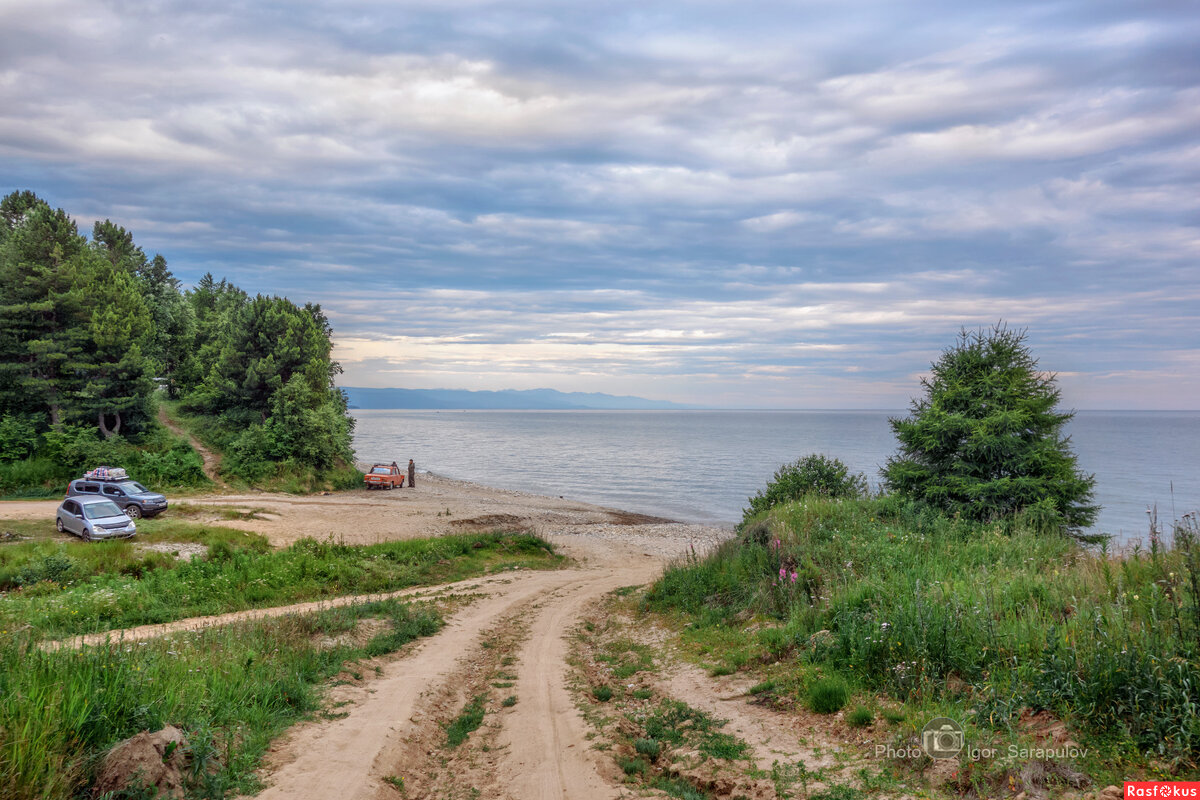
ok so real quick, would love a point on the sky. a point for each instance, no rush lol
(787, 205)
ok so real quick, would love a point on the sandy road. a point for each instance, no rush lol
(544, 750)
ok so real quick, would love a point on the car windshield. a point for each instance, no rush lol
(382, 470)
(133, 487)
(101, 510)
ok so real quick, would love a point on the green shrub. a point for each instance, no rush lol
(986, 440)
(828, 695)
(648, 748)
(602, 693)
(18, 437)
(814, 474)
(860, 717)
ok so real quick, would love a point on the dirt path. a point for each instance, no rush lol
(544, 751)
(212, 461)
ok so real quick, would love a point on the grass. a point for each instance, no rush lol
(828, 695)
(977, 622)
(860, 717)
(230, 689)
(468, 720)
(84, 588)
(602, 693)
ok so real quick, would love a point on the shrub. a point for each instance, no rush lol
(649, 748)
(860, 717)
(602, 693)
(828, 695)
(986, 439)
(814, 474)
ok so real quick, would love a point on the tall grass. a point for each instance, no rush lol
(231, 690)
(232, 578)
(905, 599)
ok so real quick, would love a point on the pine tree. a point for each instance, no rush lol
(986, 440)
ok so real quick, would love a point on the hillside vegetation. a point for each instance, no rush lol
(93, 332)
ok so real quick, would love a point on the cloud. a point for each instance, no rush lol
(785, 203)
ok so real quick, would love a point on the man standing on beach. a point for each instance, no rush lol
(412, 473)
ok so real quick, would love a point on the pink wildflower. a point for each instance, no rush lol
(794, 576)
(782, 573)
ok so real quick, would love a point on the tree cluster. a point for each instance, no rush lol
(91, 328)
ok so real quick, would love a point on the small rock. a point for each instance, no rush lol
(157, 760)
(1112, 793)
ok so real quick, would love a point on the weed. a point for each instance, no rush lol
(828, 695)
(396, 781)
(649, 748)
(860, 717)
(467, 721)
(509, 701)
(602, 693)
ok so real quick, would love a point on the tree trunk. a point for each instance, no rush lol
(116, 428)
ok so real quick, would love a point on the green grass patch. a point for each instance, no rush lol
(468, 720)
(89, 587)
(230, 689)
(602, 693)
(828, 695)
(860, 717)
(509, 701)
(978, 620)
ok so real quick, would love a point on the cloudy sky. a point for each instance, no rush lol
(767, 204)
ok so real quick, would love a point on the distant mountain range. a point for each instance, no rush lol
(512, 399)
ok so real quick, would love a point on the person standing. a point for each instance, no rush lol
(412, 473)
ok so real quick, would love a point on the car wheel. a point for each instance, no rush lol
(85, 534)
(134, 511)
(58, 524)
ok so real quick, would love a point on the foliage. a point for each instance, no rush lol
(814, 474)
(468, 721)
(986, 439)
(116, 586)
(913, 602)
(232, 689)
(90, 328)
(828, 695)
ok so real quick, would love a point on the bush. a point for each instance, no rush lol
(18, 437)
(986, 440)
(649, 748)
(828, 695)
(860, 717)
(814, 474)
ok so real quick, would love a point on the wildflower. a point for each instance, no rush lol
(782, 573)
(885, 626)
(1135, 597)
(794, 576)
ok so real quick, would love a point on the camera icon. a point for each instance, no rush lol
(942, 738)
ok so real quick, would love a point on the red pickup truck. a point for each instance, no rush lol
(384, 476)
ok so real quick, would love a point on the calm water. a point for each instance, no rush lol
(702, 465)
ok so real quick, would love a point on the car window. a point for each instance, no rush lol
(114, 491)
(70, 508)
(100, 510)
(133, 487)
(89, 487)
(382, 470)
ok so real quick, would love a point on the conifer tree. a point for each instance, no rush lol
(986, 440)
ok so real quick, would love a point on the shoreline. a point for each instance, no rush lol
(436, 506)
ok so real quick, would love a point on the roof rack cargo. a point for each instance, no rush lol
(107, 474)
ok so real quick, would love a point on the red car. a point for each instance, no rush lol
(384, 476)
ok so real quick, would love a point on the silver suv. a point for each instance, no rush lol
(133, 498)
(93, 518)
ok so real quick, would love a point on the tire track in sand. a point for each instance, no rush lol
(546, 757)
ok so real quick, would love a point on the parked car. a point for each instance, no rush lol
(93, 518)
(129, 495)
(384, 475)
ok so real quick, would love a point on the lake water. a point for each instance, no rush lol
(702, 465)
